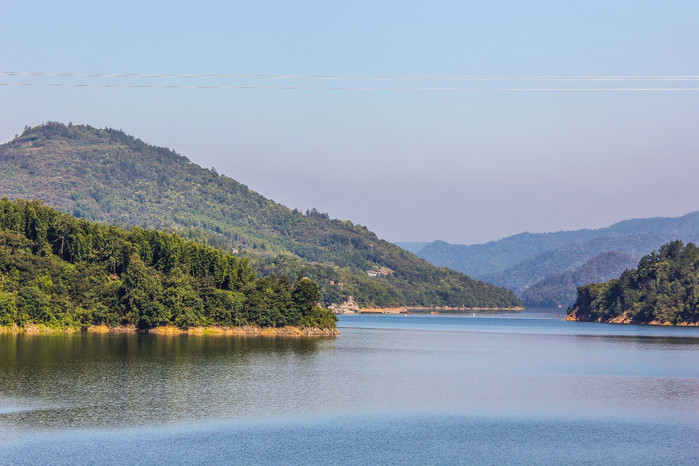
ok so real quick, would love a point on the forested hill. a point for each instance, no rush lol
(63, 272)
(108, 176)
(664, 289)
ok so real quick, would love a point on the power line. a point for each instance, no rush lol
(355, 88)
(41, 74)
(517, 83)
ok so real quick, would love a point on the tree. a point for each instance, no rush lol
(305, 295)
(141, 291)
(8, 309)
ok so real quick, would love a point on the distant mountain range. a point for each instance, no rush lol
(546, 268)
(561, 288)
(111, 177)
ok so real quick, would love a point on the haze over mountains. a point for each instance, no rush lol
(546, 268)
(108, 176)
(561, 288)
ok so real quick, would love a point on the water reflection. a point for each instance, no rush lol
(82, 380)
(518, 368)
(654, 342)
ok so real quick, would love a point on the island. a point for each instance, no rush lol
(662, 290)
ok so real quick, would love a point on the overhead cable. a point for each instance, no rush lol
(494, 78)
(355, 88)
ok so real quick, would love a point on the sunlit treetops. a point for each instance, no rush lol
(663, 289)
(59, 270)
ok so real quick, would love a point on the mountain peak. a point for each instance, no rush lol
(109, 176)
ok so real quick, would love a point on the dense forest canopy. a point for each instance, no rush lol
(108, 176)
(64, 272)
(663, 289)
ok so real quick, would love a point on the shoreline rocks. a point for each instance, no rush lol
(348, 307)
(624, 319)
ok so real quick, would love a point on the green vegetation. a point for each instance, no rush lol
(663, 289)
(561, 288)
(108, 176)
(65, 272)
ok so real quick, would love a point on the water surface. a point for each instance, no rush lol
(449, 388)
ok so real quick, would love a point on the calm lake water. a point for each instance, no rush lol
(524, 388)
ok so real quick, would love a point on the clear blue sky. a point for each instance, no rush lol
(464, 166)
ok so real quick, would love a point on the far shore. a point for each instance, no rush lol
(252, 330)
(405, 309)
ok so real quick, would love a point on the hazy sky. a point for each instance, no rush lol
(465, 166)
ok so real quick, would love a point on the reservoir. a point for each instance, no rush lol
(453, 388)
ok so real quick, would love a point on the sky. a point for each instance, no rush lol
(464, 121)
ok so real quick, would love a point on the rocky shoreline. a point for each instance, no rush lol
(252, 330)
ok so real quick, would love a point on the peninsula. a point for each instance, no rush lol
(662, 290)
(58, 272)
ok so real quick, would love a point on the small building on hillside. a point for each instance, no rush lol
(380, 272)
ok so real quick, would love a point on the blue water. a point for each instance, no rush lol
(530, 322)
(512, 388)
(385, 439)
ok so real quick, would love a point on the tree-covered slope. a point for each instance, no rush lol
(561, 289)
(65, 272)
(108, 176)
(664, 289)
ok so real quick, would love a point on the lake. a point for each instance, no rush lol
(454, 388)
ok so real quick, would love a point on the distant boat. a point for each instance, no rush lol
(434, 312)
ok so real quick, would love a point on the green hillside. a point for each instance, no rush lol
(64, 272)
(664, 289)
(108, 176)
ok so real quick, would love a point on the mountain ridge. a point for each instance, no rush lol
(541, 242)
(519, 261)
